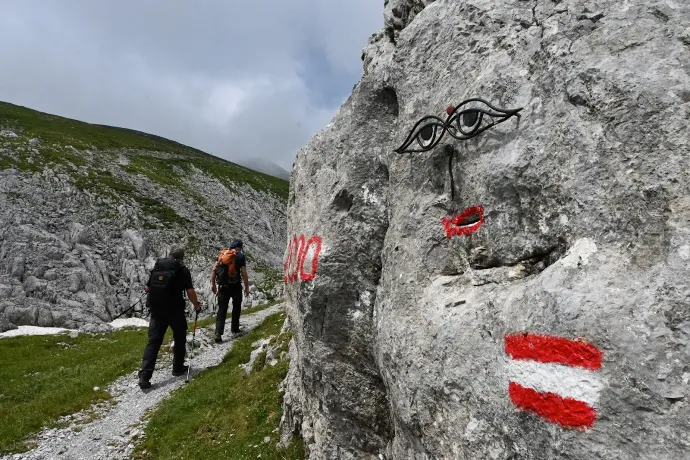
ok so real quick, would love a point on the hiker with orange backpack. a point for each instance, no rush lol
(225, 282)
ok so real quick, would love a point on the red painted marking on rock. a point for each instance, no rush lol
(456, 226)
(551, 372)
(297, 251)
(314, 261)
(450, 109)
(566, 412)
(551, 349)
(301, 254)
(292, 262)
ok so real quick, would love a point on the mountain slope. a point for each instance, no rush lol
(85, 210)
(266, 167)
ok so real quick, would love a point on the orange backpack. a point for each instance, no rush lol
(226, 272)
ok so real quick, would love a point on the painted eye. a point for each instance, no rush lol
(426, 135)
(465, 121)
(471, 117)
(427, 132)
(474, 116)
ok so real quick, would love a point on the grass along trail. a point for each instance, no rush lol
(109, 430)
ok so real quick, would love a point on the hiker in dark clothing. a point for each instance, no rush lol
(229, 286)
(167, 283)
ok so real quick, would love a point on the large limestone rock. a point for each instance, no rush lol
(558, 328)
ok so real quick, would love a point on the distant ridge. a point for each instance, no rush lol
(264, 166)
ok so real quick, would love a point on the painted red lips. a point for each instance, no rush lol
(465, 223)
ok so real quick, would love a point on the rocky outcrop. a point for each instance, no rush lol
(331, 315)
(269, 351)
(6, 325)
(77, 243)
(550, 319)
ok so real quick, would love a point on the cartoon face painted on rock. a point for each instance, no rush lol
(468, 120)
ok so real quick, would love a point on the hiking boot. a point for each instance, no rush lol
(219, 340)
(143, 382)
(180, 371)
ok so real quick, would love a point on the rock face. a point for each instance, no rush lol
(554, 321)
(79, 234)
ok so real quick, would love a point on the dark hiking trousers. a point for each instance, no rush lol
(233, 291)
(158, 325)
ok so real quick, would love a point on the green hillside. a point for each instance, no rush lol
(71, 145)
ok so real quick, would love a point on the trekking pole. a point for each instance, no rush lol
(133, 305)
(189, 368)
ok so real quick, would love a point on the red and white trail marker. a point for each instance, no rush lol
(555, 378)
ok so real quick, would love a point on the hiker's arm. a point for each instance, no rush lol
(191, 293)
(246, 280)
(213, 278)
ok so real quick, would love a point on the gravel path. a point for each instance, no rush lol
(110, 430)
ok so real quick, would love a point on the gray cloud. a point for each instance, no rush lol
(235, 79)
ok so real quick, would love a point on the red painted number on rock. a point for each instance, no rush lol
(298, 250)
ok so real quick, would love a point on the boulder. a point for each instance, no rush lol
(138, 243)
(51, 274)
(5, 325)
(519, 294)
(79, 234)
(45, 318)
(74, 282)
(60, 318)
(18, 268)
(89, 328)
(22, 316)
(5, 291)
(34, 285)
(18, 291)
(55, 253)
(39, 271)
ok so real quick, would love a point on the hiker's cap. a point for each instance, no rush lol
(236, 244)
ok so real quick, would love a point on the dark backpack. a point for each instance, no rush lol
(164, 291)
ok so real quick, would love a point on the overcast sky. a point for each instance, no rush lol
(233, 78)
